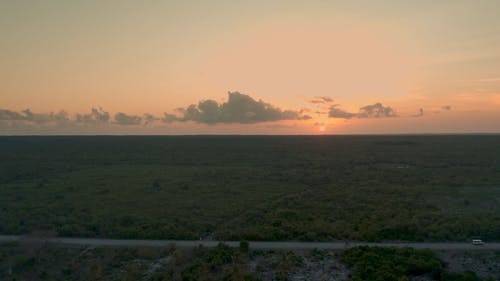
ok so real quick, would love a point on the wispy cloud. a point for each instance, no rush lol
(321, 100)
(376, 110)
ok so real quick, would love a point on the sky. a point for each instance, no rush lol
(249, 67)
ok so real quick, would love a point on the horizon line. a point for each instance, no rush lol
(251, 135)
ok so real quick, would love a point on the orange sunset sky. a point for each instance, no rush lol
(249, 67)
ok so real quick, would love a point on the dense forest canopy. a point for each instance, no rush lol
(315, 188)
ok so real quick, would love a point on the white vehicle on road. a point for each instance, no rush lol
(477, 242)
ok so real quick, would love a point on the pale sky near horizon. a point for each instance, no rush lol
(434, 66)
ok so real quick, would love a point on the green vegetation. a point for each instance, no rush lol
(393, 264)
(220, 263)
(19, 262)
(318, 188)
(38, 261)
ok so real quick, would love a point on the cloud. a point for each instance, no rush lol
(376, 110)
(336, 112)
(149, 118)
(43, 118)
(446, 107)
(28, 116)
(8, 115)
(239, 108)
(125, 119)
(169, 118)
(61, 117)
(326, 99)
(319, 113)
(321, 100)
(95, 117)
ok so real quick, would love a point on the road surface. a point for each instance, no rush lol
(63, 241)
(271, 245)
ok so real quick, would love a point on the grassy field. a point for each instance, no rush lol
(319, 188)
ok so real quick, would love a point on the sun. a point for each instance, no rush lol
(322, 128)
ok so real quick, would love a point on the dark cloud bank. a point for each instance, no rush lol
(125, 119)
(239, 108)
(96, 116)
(37, 118)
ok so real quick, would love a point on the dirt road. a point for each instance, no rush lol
(292, 245)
